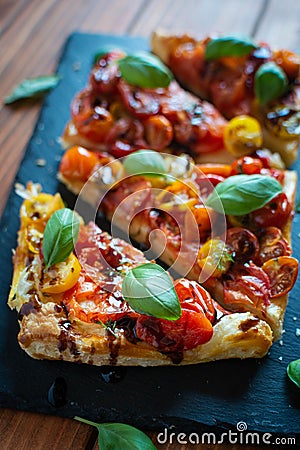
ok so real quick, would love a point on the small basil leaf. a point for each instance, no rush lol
(297, 208)
(60, 236)
(145, 161)
(116, 436)
(149, 290)
(144, 70)
(242, 194)
(32, 87)
(237, 45)
(293, 371)
(270, 82)
(103, 51)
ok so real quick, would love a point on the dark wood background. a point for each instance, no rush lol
(32, 35)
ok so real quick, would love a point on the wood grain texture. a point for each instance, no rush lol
(32, 35)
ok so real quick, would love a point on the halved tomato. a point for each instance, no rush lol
(282, 272)
(243, 243)
(61, 276)
(272, 245)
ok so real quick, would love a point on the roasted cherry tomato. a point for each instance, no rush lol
(243, 135)
(215, 257)
(61, 276)
(192, 329)
(125, 136)
(274, 213)
(158, 132)
(282, 272)
(78, 163)
(243, 243)
(246, 288)
(92, 120)
(141, 103)
(105, 74)
(37, 209)
(223, 170)
(272, 244)
(288, 61)
(246, 165)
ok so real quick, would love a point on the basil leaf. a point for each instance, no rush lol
(116, 436)
(297, 208)
(145, 161)
(237, 45)
(270, 82)
(103, 51)
(60, 236)
(32, 87)
(144, 70)
(149, 290)
(293, 371)
(242, 194)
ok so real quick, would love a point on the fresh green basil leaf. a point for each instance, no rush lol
(116, 436)
(270, 82)
(32, 87)
(104, 51)
(149, 290)
(293, 371)
(235, 45)
(144, 70)
(242, 194)
(297, 208)
(60, 236)
(145, 161)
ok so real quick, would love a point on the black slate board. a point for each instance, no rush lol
(194, 398)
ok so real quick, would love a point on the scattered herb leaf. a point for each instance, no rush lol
(145, 161)
(293, 371)
(116, 436)
(32, 87)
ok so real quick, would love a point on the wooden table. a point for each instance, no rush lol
(32, 34)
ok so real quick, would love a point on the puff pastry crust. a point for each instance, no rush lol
(49, 330)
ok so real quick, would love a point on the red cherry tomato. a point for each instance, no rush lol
(192, 329)
(105, 74)
(272, 245)
(78, 163)
(246, 288)
(246, 165)
(91, 118)
(274, 213)
(244, 244)
(141, 103)
(282, 272)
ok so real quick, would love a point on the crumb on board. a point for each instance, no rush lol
(40, 162)
(297, 332)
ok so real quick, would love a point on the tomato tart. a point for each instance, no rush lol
(72, 305)
(240, 249)
(240, 77)
(119, 116)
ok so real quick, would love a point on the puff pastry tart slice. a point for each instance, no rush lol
(240, 77)
(72, 305)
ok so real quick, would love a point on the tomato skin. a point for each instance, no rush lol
(274, 213)
(158, 131)
(243, 243)
(105, 73)
(78, 163)
(282, 272)
(243, 135)
(246, 288)
(272, 244)
(192, 329)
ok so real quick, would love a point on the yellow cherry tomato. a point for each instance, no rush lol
(215, 257)
(40, 207)
(243, 135)
(61, 276)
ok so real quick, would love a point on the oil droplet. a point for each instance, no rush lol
(112, 374)
(57, 394)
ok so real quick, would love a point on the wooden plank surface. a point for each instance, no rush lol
(32, 34)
